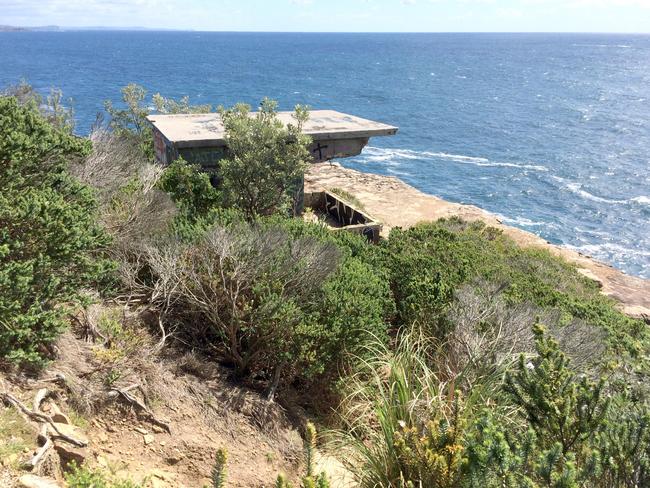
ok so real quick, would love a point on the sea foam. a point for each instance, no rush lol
(389, 155)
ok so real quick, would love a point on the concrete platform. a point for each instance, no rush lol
(206, 130)
(200, 138)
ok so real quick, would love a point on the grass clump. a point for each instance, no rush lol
(86, 477)
(347, 196)
(407, 422)
(16, 437)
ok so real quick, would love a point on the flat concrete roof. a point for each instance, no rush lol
(206, 130)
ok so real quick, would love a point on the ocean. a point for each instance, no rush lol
(550, 131)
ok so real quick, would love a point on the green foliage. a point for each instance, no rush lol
(219, 474)
(246, 291)
(401, 423)
(434, 454)
(130, 121)
(572, 434)
(86, 477)
(51, 107)
(310, 449)
(266, 161)
(278, 299)
(430, 261)
(354, 309)
(169, 106)
(190, 189)
(49, 238)
(558, 406)
(347, 196)
(545, 425)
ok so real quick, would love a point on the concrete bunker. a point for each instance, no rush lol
(200, 139)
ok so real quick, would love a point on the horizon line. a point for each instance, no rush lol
(165, 29)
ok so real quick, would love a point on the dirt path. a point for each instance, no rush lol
(394, 203)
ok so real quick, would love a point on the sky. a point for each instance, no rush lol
(338, 15)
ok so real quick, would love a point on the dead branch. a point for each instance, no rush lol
(124, 393)
(39, 398)
(46, 444)
(9, 399)
(57, 378)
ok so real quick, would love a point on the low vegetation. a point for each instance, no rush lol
(50, 241)
(449, 355)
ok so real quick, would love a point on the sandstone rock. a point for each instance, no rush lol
(69, 453)
(175, 457)
(162, 479)
(142, 431)
(58, 416)
(148, 439)
(69, 430)
(33, 481)
(158, 430)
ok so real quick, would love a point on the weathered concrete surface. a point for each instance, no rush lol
(206, 130)
(394, 203)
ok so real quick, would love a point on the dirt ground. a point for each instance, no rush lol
(204, 409)
(396, 204)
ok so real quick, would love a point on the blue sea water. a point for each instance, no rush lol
(551, 131)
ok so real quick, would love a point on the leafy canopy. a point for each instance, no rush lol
(267, 159)
(49, 238)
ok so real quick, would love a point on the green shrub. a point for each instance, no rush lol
(50, 241)
(430, 261)
(85, 477)
(265, 166)
(354, 306)
(129, 121)
(402, 422)
(190, 188)
(245, 291)
(569, 433)
(50, 107)
(354, 309)
(219, 473)
(546, 425)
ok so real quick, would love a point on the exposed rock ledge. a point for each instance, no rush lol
(394, 203)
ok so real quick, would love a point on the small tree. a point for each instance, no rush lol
(267, 159)
(49, 236)
(130, 122)
(559, 407)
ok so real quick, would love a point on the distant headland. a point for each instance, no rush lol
(57, 28)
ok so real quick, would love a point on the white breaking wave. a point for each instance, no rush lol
(523, 221)
(643, 200)
(609, 249)
(575, 187)
(378, 154)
